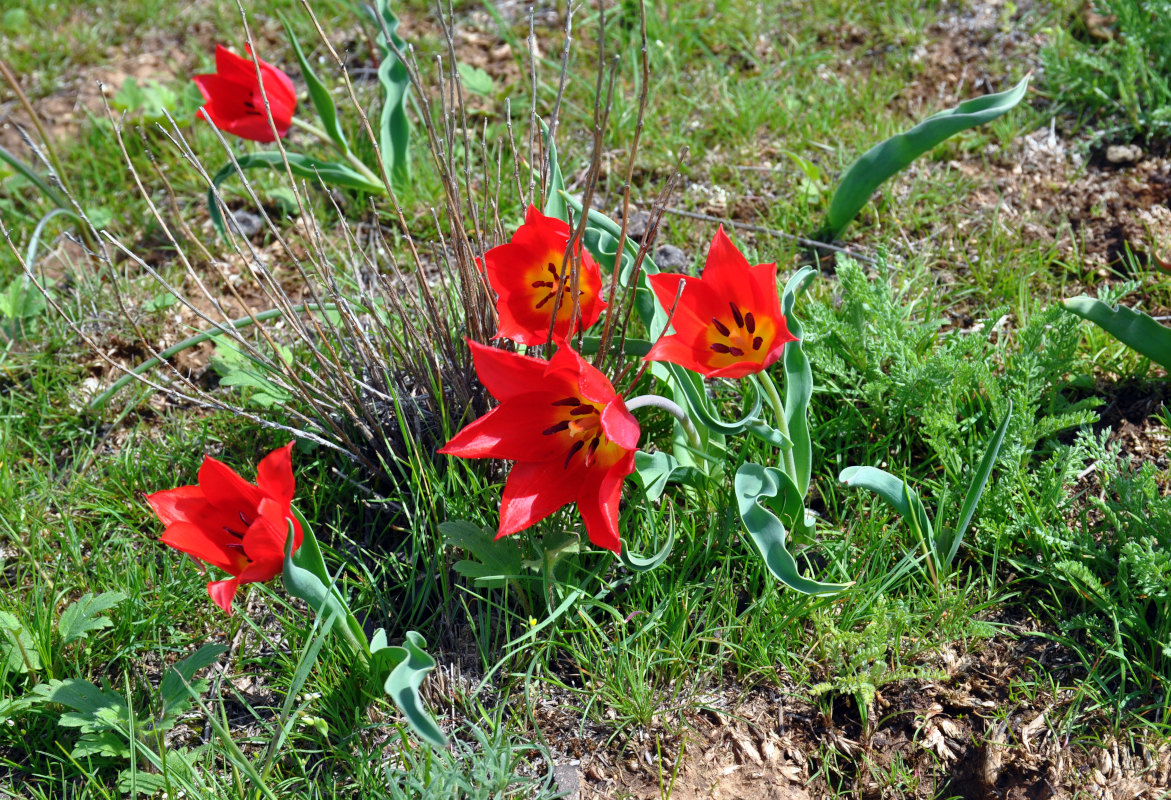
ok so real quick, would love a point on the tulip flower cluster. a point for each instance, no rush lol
(569, 433)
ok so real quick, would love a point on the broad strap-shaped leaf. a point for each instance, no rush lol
(81, 616)
(405, 668)
(763, 493)
(318, 93)
(1136, 330)
(333, 173)
(699, 407)
(798, 382)
(947, 545)
(554, 202)
(394, 129)
(305, 576)
(893, 155)
(896, 492)
(637, 564)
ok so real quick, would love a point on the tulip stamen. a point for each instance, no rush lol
(578, 445)
(556, 428)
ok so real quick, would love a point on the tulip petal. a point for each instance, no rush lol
(505, 374)
(533, 491)
(619, 425)
(264, 542)
(234, 68)
(725, 266)
(227, 491)
(513, 430)
(598, 502)
(220, 549)
(274, 475)
(177, 505)
(223, 592)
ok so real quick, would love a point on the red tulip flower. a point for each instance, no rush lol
(567, 430)
(233, 102)
(527, 276)
(728, 324)
(232, 524)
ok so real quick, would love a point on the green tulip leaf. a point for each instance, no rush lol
(1136, 330)
(554, 201)
(761, 494)
(896, 492)
(305, 576)
(636, 563)
(699, 407)
(405, 668)
(893, 155)
(322, 101)
(798, 382)
(394, 129)
(333, 173)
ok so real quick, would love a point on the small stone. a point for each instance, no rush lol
(671, 258)
(245, 223)
(1123, 153)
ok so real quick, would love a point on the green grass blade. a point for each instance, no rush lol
(326, 109)
(1134, 329)
(893, 155)
(34, 178)
(979, 481)
(759, 491)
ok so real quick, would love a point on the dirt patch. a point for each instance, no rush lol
(969, 52)
(975, 735)
(1096, 208)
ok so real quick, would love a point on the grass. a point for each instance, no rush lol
(632, 658)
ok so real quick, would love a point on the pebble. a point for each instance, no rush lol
(1123, 153)
(245, 223)
(671, 258)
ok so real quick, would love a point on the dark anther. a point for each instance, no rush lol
(231, 532)
(757, 342)
(583, 409)
(721, 348)
(579, 444)
(736, 351)
(749, 322)
(593, 449)
(539, 284)
(569, 401)
(557, 428)
(544, 300)
(721, 327)
(737, 315)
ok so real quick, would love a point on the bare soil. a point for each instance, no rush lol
(975, 735)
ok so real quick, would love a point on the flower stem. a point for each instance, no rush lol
(356, 162)
(774, 399)
(663, 404)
